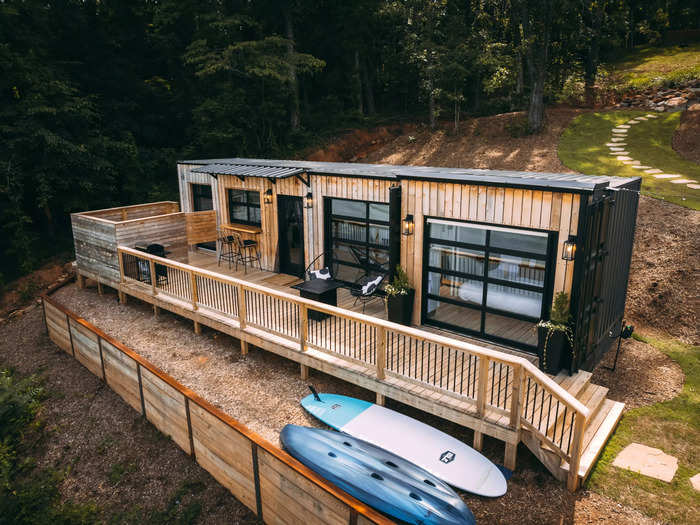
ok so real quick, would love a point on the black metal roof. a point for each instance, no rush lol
(523, 179)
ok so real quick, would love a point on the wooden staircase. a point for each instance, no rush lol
(600, 424)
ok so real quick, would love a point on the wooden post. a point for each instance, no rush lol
(515, 401)
(156, 310)
(381, 352)
(304, 372)
(380, 399)
(154, 277)
(303, 326)
(244, 347)
(122, 295)
(195, 295)
(575, 452)
(511, 455)
(81, 280)
(241, 307)
(100, 290)
(197, 328)
(481, 398)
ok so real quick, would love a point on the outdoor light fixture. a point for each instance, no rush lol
(569, 251)
(309, 200)
(268, 196)
(407, 225)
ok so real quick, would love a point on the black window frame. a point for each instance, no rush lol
(546, 289)
(332, 262)
(196, 190)
(247, 205)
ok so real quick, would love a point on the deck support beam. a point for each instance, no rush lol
(478, 440)
(304, 372)
(197, 328)
(244, 347)
(80, 279)
(381, 399)
(511, 455)
(122, 297)
(100, 289)
(156, 310)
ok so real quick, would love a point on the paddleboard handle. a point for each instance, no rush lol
(316, 396)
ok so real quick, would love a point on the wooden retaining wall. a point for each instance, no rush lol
(263, 477)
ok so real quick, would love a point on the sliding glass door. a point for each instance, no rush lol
(357, 238)
(486, 280)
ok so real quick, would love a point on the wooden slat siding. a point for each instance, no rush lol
(224, 453)
(545, 217)
(565, 220)
(527, 208)
(536, 213)
(290, 498)
(57, 325)
(165, 408)
(86, 347)
(200, 227)
(490, 204)
(95, 247)
(134, 211)
(508, 206)
(169, 230)
(121, 375)
(473, 203)
(573, 229)
(330, 497)
(499, 205)
(555, 215)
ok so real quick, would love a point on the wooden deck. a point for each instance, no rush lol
(562, 419)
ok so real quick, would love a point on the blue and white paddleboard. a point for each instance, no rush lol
(440, 454)
(376, 477)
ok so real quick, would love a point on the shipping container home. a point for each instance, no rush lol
(485, 250)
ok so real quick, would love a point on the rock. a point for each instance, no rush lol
(676, 102)
(648, 461)
(695, 482)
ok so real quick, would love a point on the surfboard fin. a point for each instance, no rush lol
(316, 396)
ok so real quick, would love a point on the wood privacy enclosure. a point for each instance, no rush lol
(264, 478)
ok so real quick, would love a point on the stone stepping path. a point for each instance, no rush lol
(695, 482)
(617, 145)
(648, 461)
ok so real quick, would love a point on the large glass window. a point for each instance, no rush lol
(244, 207)
(486, 280)
(202, 201)
(358, 240)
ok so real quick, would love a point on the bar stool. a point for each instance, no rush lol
(247, 251)
(227, 250)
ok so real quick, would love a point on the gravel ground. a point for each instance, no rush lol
(263, 391)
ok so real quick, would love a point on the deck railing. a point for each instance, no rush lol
(502, 388)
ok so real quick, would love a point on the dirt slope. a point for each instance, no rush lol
(485, 142)
(686, 139)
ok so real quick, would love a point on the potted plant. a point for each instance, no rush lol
(400, 298)
(555, 337)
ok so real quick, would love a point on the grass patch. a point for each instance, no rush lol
(648, 66)
(672, 426)
(582, 148)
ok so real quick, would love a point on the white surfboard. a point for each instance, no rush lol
(440, 454)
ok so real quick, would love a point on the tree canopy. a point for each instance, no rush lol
(99, 98)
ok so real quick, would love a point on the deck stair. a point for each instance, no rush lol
(601, 423)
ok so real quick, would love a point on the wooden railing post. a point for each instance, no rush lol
(575, 452)
(481, 398)
(515, 401)
(381, 351)
(195, 295)
(154, 277)
(122, 279)
(241, 307)
(303, 326)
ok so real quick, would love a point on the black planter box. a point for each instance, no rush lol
(558, 350)
(400, 308)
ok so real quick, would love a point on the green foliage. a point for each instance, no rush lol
(400, 284)
(560, 309)
(672, 426)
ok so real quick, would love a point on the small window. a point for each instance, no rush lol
(244, 207)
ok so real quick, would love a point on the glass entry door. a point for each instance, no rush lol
(291, 235)
(486, 280)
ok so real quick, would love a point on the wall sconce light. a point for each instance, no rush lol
(408, 225)
(568, 253)
(268, 196)
(309, 200)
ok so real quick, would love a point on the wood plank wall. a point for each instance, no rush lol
(169, 230)
(136, 211)
(95, 243)
(261, 476)
(201, 226)
(545, 210)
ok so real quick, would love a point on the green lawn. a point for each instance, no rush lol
(672, 426)
(582, 148)
(648, 66)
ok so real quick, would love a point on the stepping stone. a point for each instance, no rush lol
(622, 126)
(649, 115)
(619, 130)
(641, 167)
(619, 153)
(618, 139)
(615, 144)
(665, 176)
(695, 482)
(683, 181)
(648, 461)
(632, 122)
(630, 162)
(639, 119)
(624, 157)
(653, 170)
(694, 187)
(614, 148)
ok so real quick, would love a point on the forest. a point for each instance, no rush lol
(98, 99)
